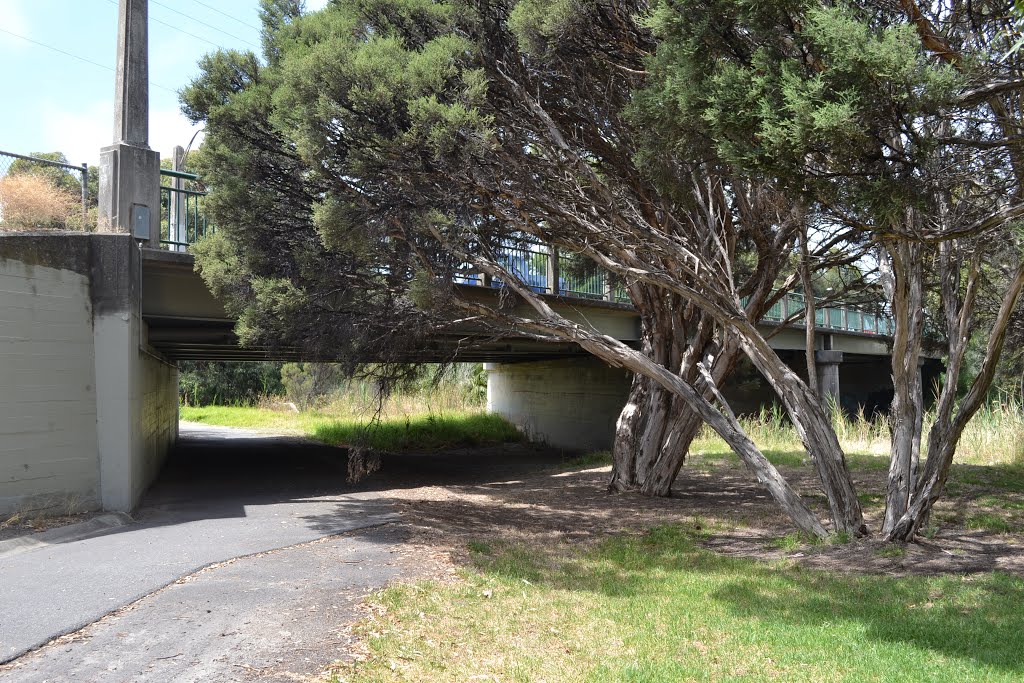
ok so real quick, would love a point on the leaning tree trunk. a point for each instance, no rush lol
(616, 354)
(721, 420)
(816, 432)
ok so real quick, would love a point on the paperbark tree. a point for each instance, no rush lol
(901, 121)
(404, 142)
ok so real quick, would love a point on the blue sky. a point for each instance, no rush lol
(54, 102)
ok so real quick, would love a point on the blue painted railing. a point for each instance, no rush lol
(540, 266)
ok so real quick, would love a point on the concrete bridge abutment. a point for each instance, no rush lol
(570, 403)
(574, 403)
(89, 410)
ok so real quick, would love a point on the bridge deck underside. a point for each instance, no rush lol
(185, 322)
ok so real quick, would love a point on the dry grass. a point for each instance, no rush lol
(360, 401)
(995, 436)
(30, 202)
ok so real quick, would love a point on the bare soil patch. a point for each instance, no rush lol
(553, 507)
(20, 524)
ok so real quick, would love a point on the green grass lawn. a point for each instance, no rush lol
(659, 608)
(413, 432)
(249, 418)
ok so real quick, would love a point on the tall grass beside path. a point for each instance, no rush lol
(423, 431)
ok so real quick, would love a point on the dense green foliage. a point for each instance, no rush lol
(423, 430)
(203, 383)
(380, 149)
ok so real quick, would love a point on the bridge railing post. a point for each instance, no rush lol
(553, 274)
(177, 211)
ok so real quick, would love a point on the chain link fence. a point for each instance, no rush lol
(45, 193)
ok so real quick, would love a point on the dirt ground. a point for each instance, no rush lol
(534, 496)
(32, 522)
(572, 506)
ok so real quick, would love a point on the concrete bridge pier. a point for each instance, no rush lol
(826, 364)
(570, 403)
(89, 408)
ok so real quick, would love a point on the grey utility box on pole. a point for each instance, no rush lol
(129, 198)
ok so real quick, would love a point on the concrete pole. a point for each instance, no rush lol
(129, 198)
(552, 275)
(131, 103)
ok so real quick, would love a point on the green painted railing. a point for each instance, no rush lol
(182, 211)
(842, 318)
(540, 266)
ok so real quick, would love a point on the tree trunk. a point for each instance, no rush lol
(628, 430)
(722, 421)
(907, 411)
(684, 430)
(616, 354)
(655, 428)
(816, 432)
(947, 429)
(809, 315)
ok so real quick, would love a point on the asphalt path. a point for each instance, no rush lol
(279, 616)
(224, 494)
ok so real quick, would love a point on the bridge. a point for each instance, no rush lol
(92, 326)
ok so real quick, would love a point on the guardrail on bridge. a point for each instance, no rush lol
(543, 268)
(182, 215)
(43, 194)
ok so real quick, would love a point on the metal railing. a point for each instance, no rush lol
(541, 266)
(182, 211)
(841, 318)
(42, 194)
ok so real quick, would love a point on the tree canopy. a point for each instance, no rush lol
(379, 150)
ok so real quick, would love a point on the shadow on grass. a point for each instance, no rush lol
(978, 618)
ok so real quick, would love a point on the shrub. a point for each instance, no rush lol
(306, 384)
(204, 383)
(32, 202)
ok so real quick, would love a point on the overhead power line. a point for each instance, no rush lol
(229, 16)
(199, 21)
(189, 33)
(78, 57)
(175, 28)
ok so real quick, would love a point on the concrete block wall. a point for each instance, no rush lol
(158, 420)
(87, 411)
(572, 403)
(48, 456)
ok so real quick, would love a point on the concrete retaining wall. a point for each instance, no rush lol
(48, 454)
(87, 410)
(159, 419)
